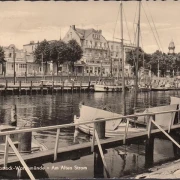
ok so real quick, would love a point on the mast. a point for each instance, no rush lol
(122, 58)
(137, 57)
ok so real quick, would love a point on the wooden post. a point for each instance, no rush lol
(41, 87)
(93, 139)
(56, 144)
(100, 128)
(98, 166)
(72, 88)
(6, 87)
(149, 127)
(52, 86)
(20, 87)
(80, 86)
(171, 122)
(6, 151)
(62, 89)
(13, 121)
(31, 88)
(149, 152)
(101, 153)
(126, 130)
(176, 149)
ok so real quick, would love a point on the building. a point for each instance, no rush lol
(115, 55)
(171, 48)
(95, 60)
(23, 61)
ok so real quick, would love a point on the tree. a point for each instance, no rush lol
(1, 54)
(58, 52)
(42, 53)
(143, 60)
(74, 52)
(2, 61)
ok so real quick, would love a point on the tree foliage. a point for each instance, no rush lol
(74, 52)
(143, 59)
(58, 52)
(166, 62)
(42, 53)
(1, 54)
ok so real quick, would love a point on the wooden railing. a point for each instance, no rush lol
(129, 118)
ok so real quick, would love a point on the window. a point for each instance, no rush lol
(104, 44)
(91, 69)
(112, 47)
(10, 54)
(100, 44)
(22, 66)
(86, 42)
(95, 44)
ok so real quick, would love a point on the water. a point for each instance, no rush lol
(56, 109)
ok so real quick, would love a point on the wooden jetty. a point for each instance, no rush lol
(98, 143)
(42, 87)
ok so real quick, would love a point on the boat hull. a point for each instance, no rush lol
(105, 88)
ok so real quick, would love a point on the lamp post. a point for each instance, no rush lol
(14, 62)
(101, 68)
(42, 67)
(25, 53)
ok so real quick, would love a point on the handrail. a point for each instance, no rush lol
(83, 123)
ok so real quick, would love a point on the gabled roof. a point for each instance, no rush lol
(84, 33)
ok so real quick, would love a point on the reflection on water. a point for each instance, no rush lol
(60, 109)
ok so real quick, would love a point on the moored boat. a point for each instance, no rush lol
(117, 127)
(107, 85)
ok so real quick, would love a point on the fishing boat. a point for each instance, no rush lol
(113, 128)
(108, 85)
(117, 127)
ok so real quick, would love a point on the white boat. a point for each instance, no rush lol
(117, 127)
(107, 85)
(113, 127)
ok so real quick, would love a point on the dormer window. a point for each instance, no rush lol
(10, 55)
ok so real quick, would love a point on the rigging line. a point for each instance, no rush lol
(116, 23)
(135, 34)
(151, 28)
(135, 19)
(155, 27)
(127, 25)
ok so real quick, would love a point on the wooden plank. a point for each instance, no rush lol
(164, 132)
(171, 122)
(6, 151)
(93, 140)
(56, 144)
(149, 127)
(66, 153)
(102, 155)
(126, 130)
(20, 159)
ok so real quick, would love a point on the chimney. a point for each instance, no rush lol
(31, 42)
(73, 27)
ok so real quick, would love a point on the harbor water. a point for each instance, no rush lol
(47, 110)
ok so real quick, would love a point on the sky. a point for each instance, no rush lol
(22, 22)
